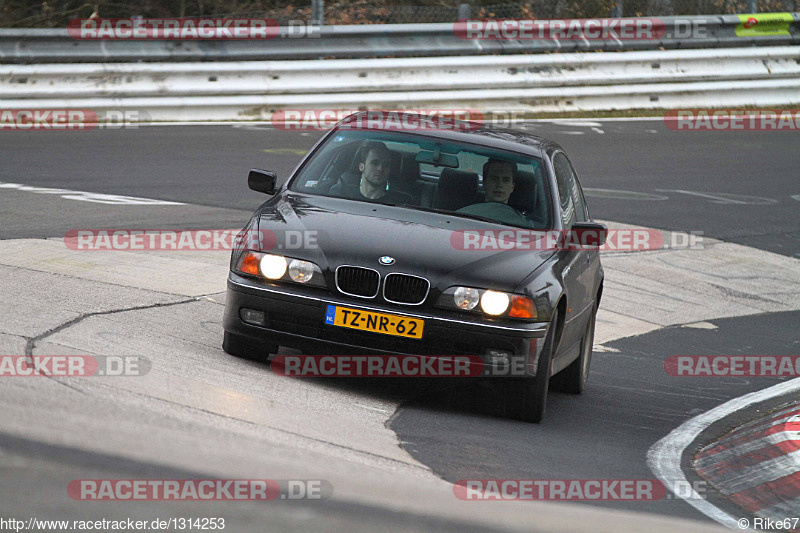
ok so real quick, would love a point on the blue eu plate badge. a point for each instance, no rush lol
(330, 313)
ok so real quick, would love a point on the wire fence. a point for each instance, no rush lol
(26, 14)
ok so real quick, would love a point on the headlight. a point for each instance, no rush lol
(272, 266)
(279, 268)
(494, 303)
(466, 297)
(301, 271)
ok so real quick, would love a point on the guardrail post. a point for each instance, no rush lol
(752, 6)
(317, 12)
(463, 11)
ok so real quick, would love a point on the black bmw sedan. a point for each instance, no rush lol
(402, 235)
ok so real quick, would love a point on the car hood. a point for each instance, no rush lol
(359, 233)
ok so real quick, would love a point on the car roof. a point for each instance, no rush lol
(465, 131)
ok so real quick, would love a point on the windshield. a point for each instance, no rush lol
(429, 174)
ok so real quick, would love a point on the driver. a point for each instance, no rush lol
(373, 158)
(498, 180)
(498, 184)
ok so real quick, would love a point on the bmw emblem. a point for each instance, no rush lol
(386, 260)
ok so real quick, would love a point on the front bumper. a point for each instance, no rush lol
(295, 317)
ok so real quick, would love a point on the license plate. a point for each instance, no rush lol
(399, 326)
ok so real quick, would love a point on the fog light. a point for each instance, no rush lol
(251, 316)
(498, 357)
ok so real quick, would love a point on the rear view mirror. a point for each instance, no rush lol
(437, 159)
(262, 181)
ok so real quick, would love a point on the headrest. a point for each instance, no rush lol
(523, 198)
(456, 189)
(404, 171)
(350, 179)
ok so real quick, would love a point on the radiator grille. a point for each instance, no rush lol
(404, 289)
(357, 281)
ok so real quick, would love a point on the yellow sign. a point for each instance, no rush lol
(764, 24)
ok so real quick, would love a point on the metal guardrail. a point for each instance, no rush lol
(349, 42)
(357, 76)
(763, 76)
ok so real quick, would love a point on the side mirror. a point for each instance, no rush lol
(589, 234)
(262, 181)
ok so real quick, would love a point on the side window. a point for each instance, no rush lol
(570, 198)
(577, 195)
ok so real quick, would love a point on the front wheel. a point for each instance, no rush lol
(573, 378)
(527, 397)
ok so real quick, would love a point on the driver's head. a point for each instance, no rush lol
(498, 180)
(374, 166)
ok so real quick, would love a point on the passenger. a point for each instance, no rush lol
(498, 184)
(370, 184)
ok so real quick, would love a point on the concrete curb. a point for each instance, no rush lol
(757, 465)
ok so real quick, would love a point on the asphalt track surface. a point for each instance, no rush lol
(604, 433)
(738, 187)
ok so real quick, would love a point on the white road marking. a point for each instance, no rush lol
(372, 408)
(83, 196)
(724, 198)
(664, 457)
(576, 122)
(622, 195)
(699, 325)
(796, 197)
(601, 348)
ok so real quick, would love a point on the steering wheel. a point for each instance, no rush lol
(514, 209)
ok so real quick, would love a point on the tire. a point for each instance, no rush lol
(243, 347)
(573, 378)
(527, 397)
